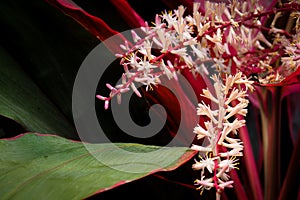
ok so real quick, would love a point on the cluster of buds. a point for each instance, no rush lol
(222, 147)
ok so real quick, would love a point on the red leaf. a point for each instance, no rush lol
(93, 24)
(290, 188)
(198, 83)
(290, 89)
(293, 110)
(128, 13)
(180, 107)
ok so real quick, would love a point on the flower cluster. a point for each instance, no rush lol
(222, 148)
(227, 37)
(232, 41)
(291, 61)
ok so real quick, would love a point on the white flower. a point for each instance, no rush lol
(146, 49)
(201, 132)
(238, 145)
(229, 164)
(207, 94)
(217, 38)
(135, 36)
(167, 70)
(200, 52)
(204, 183)
(164, 39)
(207, 163)
(237, 109)
(181, 52)
(201, 148)
(234, 95)
(226, 184)
(206, 111)
(233, 152)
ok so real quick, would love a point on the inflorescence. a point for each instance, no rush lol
(231, 40)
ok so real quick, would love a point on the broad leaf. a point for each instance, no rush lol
(47, 45)
(22, 101)
(48, 167)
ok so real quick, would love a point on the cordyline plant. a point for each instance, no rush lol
(242, 46)
(234, 54)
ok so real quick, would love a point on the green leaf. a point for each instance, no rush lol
(48, 167)
(47, 45)
(22, 101)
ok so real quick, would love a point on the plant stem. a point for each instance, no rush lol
(270, 119)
